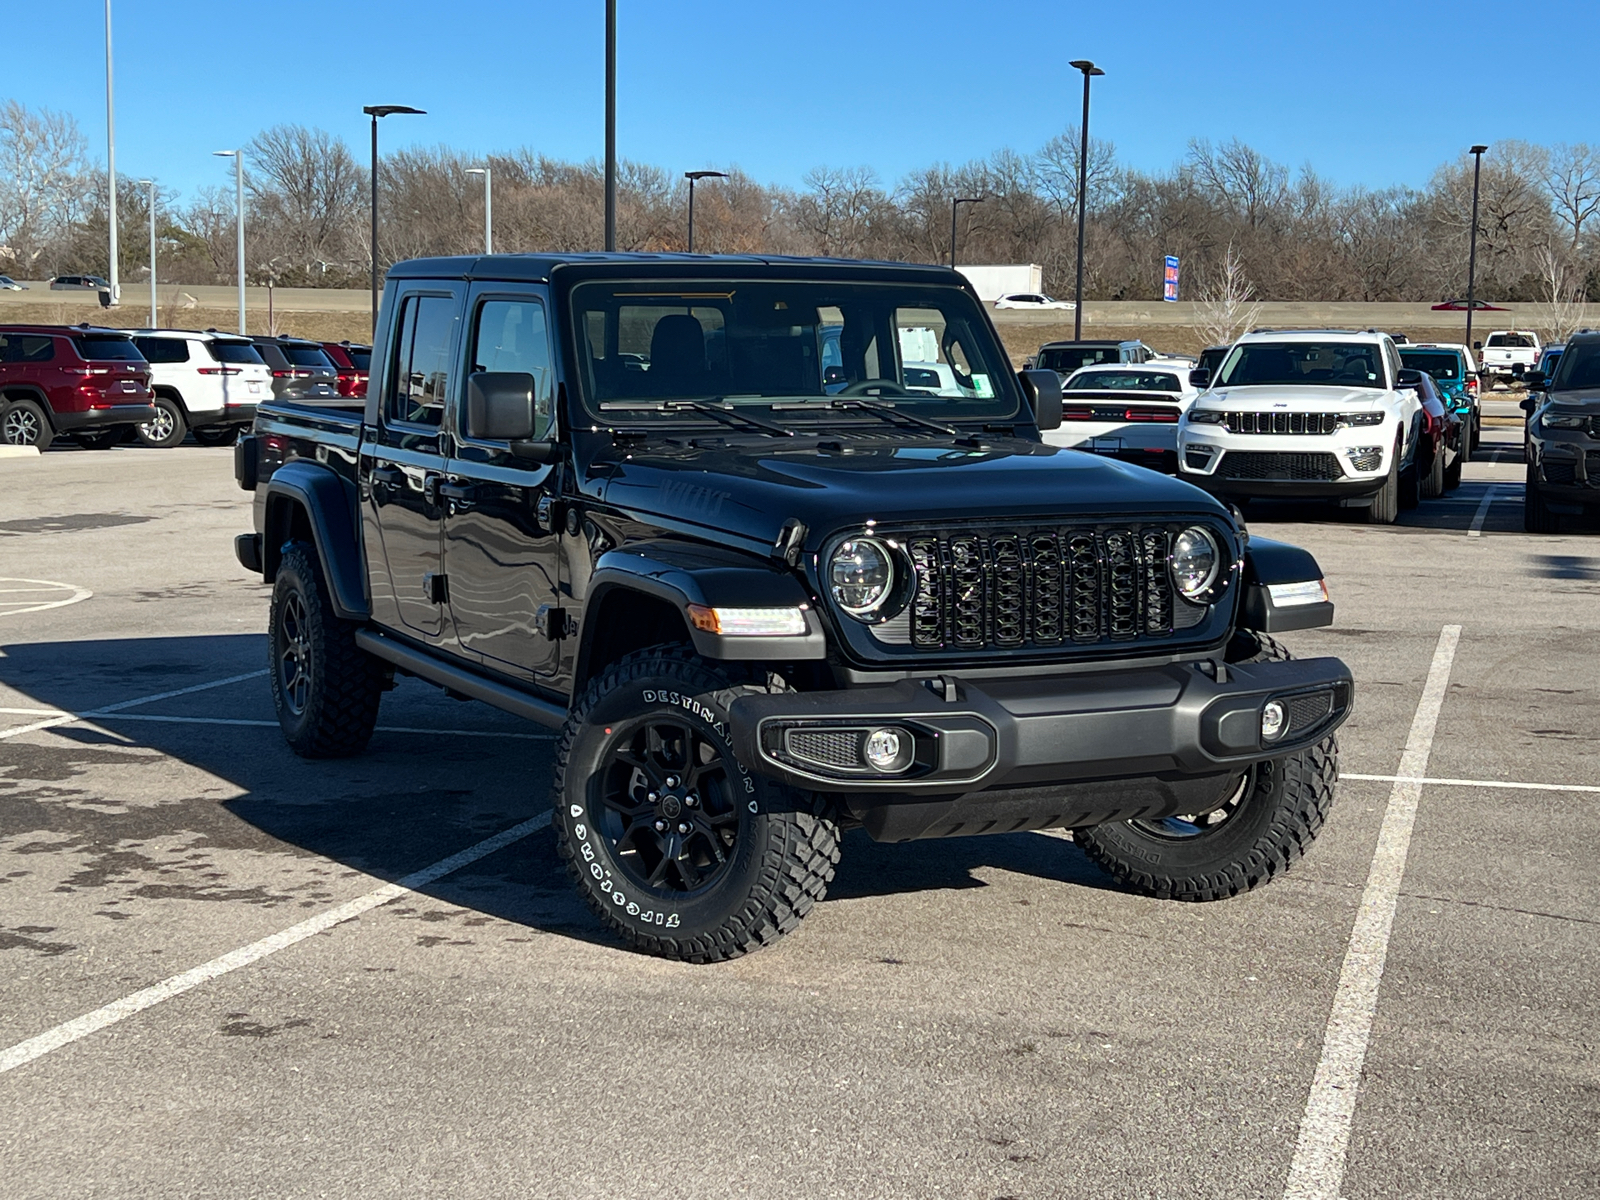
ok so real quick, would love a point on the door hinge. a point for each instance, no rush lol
(437, 588)
(554, 623)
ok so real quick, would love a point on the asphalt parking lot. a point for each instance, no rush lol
(1412, 1011)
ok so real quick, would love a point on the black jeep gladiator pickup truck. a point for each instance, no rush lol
(776, 545)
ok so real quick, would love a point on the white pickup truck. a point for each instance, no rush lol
(1506, 350)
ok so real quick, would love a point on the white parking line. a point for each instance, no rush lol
(1477, 783)
(120, 1010)
(1317, 1170)
(1489, 497)
(44, 585)
(68, 718)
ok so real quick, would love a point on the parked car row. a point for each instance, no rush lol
(98, 387)
(1562, 441)
(1335, 415)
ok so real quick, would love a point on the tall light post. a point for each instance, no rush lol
(691, 176)
(1472, 254)
(151, 183)
(111, 167)
(238, 179)
(375, 111)
(1089, 72)
(611, 125)
(959, 200)
(488, 208)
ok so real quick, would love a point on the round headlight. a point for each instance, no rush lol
(861, 574)
(1196, 562)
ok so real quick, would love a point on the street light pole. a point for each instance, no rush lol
(953, 209)
(611, 125)
(488, 208)
(375, 111)
(1089, 71)
(152, 185)
(691, 176)
(238, 179)
(1472, 254)
(111, 167)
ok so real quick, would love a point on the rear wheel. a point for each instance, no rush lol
(23, 423)
(167, 427)
(1536, 514)
(1267, 824)
(1433, 482)
(1477, 429)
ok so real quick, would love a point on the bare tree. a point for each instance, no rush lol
(1563, 303)
(1572, 178)
(1227, 304)
(306, 192)
(43, 178)
(840, 210)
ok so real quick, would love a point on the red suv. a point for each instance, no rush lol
(353, 361)
(84, 383)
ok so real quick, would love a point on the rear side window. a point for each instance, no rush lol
(108, 349)
(272, 356)
(1131, 381)
(419, 379)
(1441, 364)
(163, 350)
(308, 356)
(235, 352)
(27, 348)
(360, 357)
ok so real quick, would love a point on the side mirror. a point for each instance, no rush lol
(1043, 389)
(1477, 345)
(1528, 405)
(1518, 370)
(500, 406)
(1200, 378)
(1534, 379)
(1407, 377)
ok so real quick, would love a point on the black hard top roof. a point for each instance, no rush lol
(538, 267)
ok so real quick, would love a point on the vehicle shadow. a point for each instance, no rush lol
(438, 777)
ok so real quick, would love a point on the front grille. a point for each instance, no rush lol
(1306, 711)
(1594, 427)
(1009, 589)
(1558, 470)
(1282, 422)
(1294, 468)
(1591, 465)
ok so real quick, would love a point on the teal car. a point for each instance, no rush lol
(1456, 374)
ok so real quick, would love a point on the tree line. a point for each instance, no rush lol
(1235, 217)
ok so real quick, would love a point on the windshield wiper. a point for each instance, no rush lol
(711, 408)
(884, 409)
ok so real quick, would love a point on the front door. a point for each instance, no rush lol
(502, 528)
(403, 464)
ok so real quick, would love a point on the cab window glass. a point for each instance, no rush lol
(420, 378)
(512, 335)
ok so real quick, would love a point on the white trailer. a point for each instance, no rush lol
(996, 281)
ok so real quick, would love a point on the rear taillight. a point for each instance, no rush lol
(220, 371)
(1077, 414)
(1158, 415)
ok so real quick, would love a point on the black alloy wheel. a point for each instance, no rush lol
(294, 661)
(666, 806)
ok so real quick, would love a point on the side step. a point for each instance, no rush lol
(461, 679)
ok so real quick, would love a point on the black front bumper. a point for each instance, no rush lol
(1140, 736)
(1349, 488)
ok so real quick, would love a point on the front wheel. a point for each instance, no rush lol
(675, 843)
(1385, 506)
(1267, 824)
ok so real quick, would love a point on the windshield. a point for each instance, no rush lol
(236, 352)
(103, 349)
(1064, 360)
(1511, 341)
(1441, 364)
(308, 356)
(1130, 381)
(1578, 369)
(785, 346)
(1324, 364)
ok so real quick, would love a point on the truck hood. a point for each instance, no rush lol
(1267, 398)
(751, 489)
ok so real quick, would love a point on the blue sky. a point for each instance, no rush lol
(1372, 93)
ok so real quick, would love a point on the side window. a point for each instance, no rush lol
(420, 378)
(27, 348)
(512, 335)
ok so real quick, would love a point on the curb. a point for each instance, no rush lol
(18, 451)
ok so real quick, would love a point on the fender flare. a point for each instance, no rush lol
(681, 574)
(329, 509)
(1266, 563)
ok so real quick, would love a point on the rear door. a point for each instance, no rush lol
(502, 527)
(402, 461)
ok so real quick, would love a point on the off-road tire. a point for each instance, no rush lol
(1433, 482)
(215, 435)
(168, 427)
(24, 423)
(1385, 506)
(1284, 808)
(786, 847)
(1408, 494)
(1537, 516)
(338, 708)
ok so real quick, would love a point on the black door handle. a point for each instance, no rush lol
(463, 493)
(388, 477)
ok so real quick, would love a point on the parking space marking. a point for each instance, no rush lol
(1317, 1170)
(120, 1010)
(107, 710)
(1477, 783)
(37, 586)
(1489, 497)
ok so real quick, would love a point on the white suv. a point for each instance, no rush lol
(1308, 413)
(206, 382)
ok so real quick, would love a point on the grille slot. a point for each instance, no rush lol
(1015, 588)
(1308, 711)
(1320, 424)
(1591, 466)
(827, 747)
(1288, 467)
(1557, 470)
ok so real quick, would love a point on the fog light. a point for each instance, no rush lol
(1272, 721)
(887, 749)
